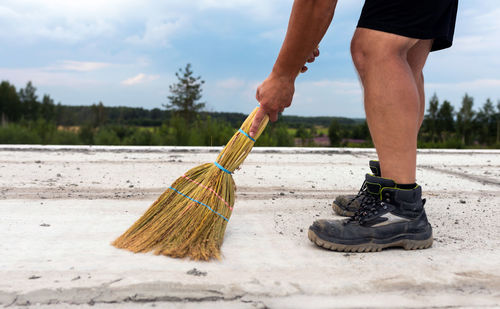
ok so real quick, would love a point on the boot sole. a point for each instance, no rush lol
(407, 244)
(341, 212)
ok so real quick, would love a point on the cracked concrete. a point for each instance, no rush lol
(61, 206)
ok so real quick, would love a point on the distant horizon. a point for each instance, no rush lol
(476, 106)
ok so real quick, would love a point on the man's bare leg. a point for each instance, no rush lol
(346, 205)
(393, 97)
(389, 214)
(417, 55)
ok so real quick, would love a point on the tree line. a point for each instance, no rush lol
(466, 127)
(27, 119)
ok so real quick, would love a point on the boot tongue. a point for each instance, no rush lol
(374, 184)
(375, 167)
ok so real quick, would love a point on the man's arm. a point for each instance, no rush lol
(308, 23)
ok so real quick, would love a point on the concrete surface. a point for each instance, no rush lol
(60, 207)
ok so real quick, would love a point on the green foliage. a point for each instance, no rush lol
(47, 108)
(305, 135)
(431, 118)
(334, 133)
(214, 133)
(106, 136)
(185, 94)
(497, 119)
(486, 123)
(29, 102)
(275, 135)
(445, 124)
(297, 121)
(44, 129)
(450, 143)
(37, 132)
(63, 137)
(302, 133)
(143, 137)
(18, 134)
(86, 134)
(180, 130)
(361, 132)
(10, 105)
(283, 139)
(98, 115)
(25, 119)
(465, 117)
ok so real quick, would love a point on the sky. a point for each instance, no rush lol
(126, 53)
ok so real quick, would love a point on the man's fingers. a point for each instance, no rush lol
(304, 69)
(259, 116)
(273, 116)
(312, 56)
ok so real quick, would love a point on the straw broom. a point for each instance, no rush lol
(189, 219)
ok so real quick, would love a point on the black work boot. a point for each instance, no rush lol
(346, 205)
(387, 217)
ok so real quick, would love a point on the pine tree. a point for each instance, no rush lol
(498, 122)
(445, 120)
(29, 101)
(10, 107)
(465, 118)
(185, 94)
(47, 108)
(98, 114)
(430, 122)
(485, 123)
(334, 133)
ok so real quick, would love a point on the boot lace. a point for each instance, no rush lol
(369, 206)
(360, 193)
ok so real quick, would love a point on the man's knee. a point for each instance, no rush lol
(375, 47)
(358, 54)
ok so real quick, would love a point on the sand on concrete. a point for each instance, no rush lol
(60, 207)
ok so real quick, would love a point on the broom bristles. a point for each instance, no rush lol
(189, 219)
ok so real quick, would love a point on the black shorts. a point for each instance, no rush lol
(419, 19)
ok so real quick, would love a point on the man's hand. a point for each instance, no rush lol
(275, 94)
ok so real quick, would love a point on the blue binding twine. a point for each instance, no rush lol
(222, 168)
(246, 134)
(192, 199)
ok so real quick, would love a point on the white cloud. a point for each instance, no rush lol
(468, 85)
(44, 77)
(154, 21)
(139, 79)
(478, 28)
(157, 32)
(259, 10)
(67, 21)
(63, 73)
(80, 66)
